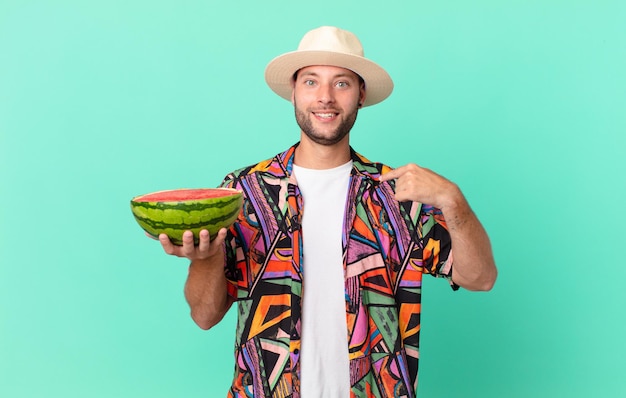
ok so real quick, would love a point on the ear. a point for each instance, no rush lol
(362, 95)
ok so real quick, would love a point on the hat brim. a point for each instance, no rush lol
(279, 72)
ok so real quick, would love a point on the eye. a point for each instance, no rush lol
(309, 82)
(342, 84)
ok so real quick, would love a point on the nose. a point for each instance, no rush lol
(326, 94)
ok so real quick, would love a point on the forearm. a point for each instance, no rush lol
(206, 291)
(474, 266)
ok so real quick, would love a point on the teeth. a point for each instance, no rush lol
(325, 115)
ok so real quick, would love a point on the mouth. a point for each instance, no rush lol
(325, 115)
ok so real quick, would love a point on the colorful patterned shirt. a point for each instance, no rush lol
(387, 247)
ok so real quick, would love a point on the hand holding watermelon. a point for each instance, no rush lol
(191, 223)
(206, 248)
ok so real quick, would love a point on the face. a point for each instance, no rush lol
(326, 101)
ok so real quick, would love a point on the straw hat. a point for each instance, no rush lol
(329, 45)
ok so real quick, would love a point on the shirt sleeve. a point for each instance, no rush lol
(230, 248)
(230, 264)
(436, 244)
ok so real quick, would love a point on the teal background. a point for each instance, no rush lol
(522, 103)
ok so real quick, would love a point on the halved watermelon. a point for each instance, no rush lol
(175, 211)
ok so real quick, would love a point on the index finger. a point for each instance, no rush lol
(392, 174)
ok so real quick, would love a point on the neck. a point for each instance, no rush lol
(315, 156)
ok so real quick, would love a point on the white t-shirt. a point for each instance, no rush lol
(324, 363)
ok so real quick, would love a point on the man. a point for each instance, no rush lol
(326, 258)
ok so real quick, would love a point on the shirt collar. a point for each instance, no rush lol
(361, 166)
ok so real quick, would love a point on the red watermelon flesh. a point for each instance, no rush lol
(177, 195)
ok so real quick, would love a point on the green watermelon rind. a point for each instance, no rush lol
(175, 217)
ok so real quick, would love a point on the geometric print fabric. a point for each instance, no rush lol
(387, 247)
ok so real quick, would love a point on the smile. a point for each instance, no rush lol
(325, 115)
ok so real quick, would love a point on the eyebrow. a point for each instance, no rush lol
(339, 75)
